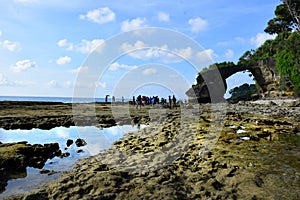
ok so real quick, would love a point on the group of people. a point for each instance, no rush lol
(140, 101)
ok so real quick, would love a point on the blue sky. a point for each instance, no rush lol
(44, 44)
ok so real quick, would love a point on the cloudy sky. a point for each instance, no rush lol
(46, 45)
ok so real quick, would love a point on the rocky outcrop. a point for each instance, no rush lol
(48, 115)
(252, 158)
(211, 85)
(15, 157)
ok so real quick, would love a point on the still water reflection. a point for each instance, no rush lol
(97, 140)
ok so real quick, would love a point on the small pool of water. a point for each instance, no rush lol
(97, 140)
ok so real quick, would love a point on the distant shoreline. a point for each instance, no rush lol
(58, 99)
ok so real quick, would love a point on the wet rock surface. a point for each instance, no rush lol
(194, 154)
(48, 115)
(15, 157)
(80, 142)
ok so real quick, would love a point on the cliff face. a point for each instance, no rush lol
(211, 85)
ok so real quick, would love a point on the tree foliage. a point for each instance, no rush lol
(217, 65)
(282, 22)
(288, 60)
(287, 18)
(243, 92)
(247, 56)
(294, 8)
(286, 49)
(286, 46)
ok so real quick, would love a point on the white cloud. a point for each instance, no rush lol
(56, 84)
(24, 83)
(137, 50)
(80, 69)
(206, 55)
(185, 53)
(229, 53)
(100, 15)
(67, 45)
(3, 80)
(162, 16)
(68, 84)
(25, 1)
(102, 84)
(23, 65)
(62, 43)
(260, 38)
(11, 46)
(149, 71)
(116, 66)
(85, 46)
(52, 83)
(133, 24)
(240, 40)
(137, 45)
(140, 50)
(198, 24)
(63, 60)
(0, 33)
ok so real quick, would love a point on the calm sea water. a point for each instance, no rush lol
(97, 141)
(55, 99)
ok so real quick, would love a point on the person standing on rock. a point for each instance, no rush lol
(139, 102)
(133, 100)
(106, 97)
(170, 101)
(174, 101)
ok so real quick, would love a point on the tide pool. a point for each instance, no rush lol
(97, 141)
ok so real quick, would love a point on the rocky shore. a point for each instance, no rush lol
(247, 150)
(47, 115)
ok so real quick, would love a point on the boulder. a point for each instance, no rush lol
(80, 142)
(69, 142)
(15, 157)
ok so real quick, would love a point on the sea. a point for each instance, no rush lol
(57, 99)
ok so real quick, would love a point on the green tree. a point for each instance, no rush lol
(294, 9)
(283, 21)
(242, 92)
(246, 57)
(288, 60)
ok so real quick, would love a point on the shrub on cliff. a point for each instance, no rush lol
(243, 92)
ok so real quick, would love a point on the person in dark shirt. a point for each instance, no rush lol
(133, 100)
(174, 101)
(139, 102)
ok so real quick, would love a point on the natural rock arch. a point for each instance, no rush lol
(265, 73)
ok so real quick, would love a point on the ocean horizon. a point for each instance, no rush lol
(57, 99)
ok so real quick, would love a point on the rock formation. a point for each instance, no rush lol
(211, 85)
(15, 157)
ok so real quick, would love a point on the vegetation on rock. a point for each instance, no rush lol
(285, 47)
(243, 92)
(218, 65)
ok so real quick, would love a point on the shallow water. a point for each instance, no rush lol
(97, 140)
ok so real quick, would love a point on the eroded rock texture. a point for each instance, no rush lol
(211, 85)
